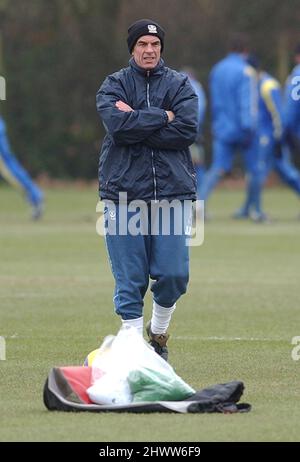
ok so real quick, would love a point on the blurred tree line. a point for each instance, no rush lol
(54, 56)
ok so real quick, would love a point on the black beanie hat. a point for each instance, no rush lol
(144, 27)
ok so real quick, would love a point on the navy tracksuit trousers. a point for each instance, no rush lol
(136, 257)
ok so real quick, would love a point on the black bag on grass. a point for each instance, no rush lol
(65, 390)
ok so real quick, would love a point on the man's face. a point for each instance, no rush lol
(146, 51)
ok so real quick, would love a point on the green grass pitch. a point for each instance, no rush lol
(236, 321)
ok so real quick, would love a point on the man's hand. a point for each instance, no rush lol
(123, 107)
(171, 116)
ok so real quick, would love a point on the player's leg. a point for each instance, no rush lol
(287, 171)
(244, 210)
(16, 175)
(169, 268)
(258, 163)
(128, 256)
(222, 163)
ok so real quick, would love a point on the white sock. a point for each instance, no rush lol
(138, 323)
(161, 317)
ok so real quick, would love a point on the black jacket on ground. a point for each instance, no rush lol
(142, 154)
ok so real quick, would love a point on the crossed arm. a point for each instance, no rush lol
(155, 127)
(126, 108)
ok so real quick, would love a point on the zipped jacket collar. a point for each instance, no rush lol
(156, 71)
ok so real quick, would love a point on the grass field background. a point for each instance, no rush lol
(235, 323)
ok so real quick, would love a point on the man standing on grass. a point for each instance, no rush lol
(150, 115)
(233, 93)
(270, 146)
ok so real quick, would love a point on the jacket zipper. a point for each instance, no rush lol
(152, 153)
